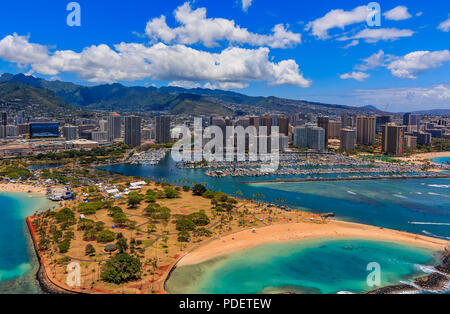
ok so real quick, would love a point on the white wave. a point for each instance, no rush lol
(400, 196)
(439, 186)
(434, 235)
(430, 223)
(419, 193)
(435, 194)
(352, 193)
(345, 292)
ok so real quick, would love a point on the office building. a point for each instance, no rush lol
(423, 138)
(365, 130)
(393, 139)
(163, 130)
(100, 136)
(283, 124)
(334, 129)
(323, 122)
(114, 127)
(70, 132)
(44, 130)
(4, 119)
(266, 121)
(133, 134)
(348, 139)
(310, 136)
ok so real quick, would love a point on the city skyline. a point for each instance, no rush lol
(323, 53)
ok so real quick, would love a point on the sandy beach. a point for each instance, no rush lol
(22, 188)
(292, 232)
(427, 156)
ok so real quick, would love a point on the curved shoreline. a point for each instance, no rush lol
(303, 231)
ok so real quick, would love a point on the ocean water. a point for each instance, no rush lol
(419, 206)
(313, 266)
(441, 160)
(18, 262)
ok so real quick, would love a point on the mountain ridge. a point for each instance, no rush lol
(176, 100)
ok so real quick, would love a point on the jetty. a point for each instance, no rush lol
(352, 179)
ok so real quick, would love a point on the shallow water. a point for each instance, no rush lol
(18, 262)
(314, 266)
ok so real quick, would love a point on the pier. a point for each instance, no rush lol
(351, 179)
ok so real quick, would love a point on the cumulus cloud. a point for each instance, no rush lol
(374, 61)
(358, 76)
(226, 86)
(132, 61)
(414, 63)
(15, 48)
(374, 35)
(407, 98)
(246, 4)
(398, 14)
(196, 27)
(184, 84)
(336, 19)
(445, 26)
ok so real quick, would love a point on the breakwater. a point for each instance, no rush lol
(352, 179)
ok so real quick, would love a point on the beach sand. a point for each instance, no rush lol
(22, 188)
(423, 157)
(291, 232)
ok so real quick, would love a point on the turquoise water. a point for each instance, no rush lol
(441, 160)
(315, 266)
(419, 206)
(16, 256)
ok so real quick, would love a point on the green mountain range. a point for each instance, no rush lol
(117, 97)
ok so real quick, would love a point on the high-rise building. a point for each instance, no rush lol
(103, 125)
(382, 120)
(348, 139)
(267, 122)
(323, 122)
(346, 121)
(393, 139)
(23, 129)
(283, 124)
(4, 119)
(365, 130)
(254, 121)
(163, 130)
(70, 132)
(310, 136)
(407, 119)
(133, 134)
(423, 138)
(114, 127)
(100, 136)
(334, 129)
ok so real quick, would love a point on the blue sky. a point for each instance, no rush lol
(315, 50)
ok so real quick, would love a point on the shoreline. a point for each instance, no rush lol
(22, 188)
(303, 231)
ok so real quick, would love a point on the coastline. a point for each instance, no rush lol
(22, 188)
(302, 231)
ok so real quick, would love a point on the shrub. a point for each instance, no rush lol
(171, 193)
(198, 190)
(121, 268)
(199, 219)
(90, 250)
(65, 215)
(134, 199)
(185, 224)
(106, 236)
(184, 236)
(202, 232)
(64, 246)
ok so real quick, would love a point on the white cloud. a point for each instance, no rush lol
(445, 26)
(353, 43)
(197, 28)
(414, 63)
(374, 35)
(184, 84)
(246, 4)
(336, 19)
(15, 48)
(398, 14)
(406, 98)
(374, 61)
(132, 61)
(358, 76)
(225, 86)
